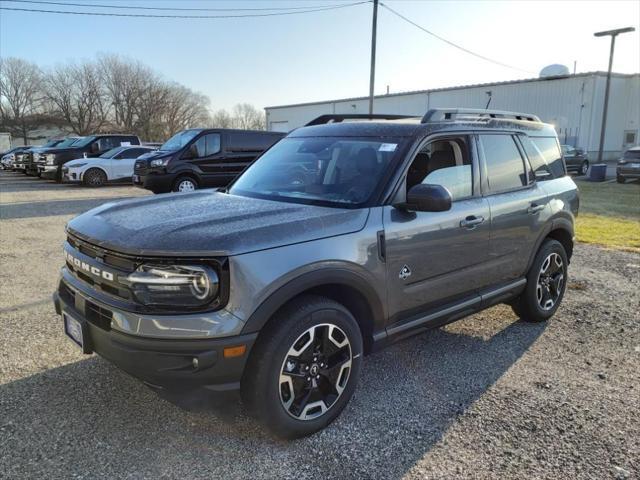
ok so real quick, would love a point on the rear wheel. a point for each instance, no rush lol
(185, 184)
(305, 367)
(584, 168)
(546, 284)
(94, 178)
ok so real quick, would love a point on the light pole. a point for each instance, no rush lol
(372, 75)
(613, 34)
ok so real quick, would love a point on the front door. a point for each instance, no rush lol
(433, 258)
(208, 158)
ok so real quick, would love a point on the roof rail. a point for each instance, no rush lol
(440, 114)
(337, 118)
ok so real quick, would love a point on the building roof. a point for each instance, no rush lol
(460, 87)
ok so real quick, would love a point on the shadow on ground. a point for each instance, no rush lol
(49, 208)
(88, 418)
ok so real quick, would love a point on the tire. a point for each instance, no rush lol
(620, 179)
(277, 397)
(584, 168)
(546, 284)
(185, 184)
(94, 177)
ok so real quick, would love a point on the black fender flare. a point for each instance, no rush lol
(558, 223)
(328, 276)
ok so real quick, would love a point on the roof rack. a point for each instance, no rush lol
(337, 118)
(440, 114)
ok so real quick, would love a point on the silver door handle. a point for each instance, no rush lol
(471, 222)
(535, 208)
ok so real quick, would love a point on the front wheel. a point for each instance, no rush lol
(546, 284)
(94, 178)
(185, 185)
(304, 368)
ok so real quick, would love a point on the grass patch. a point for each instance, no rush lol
(609, 215)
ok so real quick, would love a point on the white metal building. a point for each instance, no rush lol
(573, 103)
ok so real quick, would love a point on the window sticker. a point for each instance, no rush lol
(125, 144)
(387, 147)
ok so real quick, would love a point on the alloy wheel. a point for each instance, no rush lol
(315, 371)
(550, 281)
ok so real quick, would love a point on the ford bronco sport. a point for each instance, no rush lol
(342, 238)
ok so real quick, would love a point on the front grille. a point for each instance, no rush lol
(100, 317)
(109, 258)
(140, 167)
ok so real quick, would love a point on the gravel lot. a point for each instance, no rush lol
(486, 397)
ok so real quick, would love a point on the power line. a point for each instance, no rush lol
(187, 9)
(141, 15)
(453, 44)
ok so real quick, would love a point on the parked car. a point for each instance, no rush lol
(91, 146)
(280, 284)
(198, 158)
(18, 159)
(32, 155)
(629, 165)
(115, 165)
(8, 157)
(576, 160)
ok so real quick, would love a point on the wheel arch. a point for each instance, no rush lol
(343, 286)
(560, 229)
(95, 167)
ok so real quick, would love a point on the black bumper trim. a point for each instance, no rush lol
(166, 363)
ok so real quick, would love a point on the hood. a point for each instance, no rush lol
(155, 154)
(209, 223)
(57, 150)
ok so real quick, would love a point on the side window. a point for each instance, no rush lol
(548, 146)
(107, 143)
(444, 162)
(505, 166)
(540, 168)
(208, 145)
(132, 153)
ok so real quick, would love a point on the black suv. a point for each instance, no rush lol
(340, 239)
(575, 159)
(198, 158)
(51, 159)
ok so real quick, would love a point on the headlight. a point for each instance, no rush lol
(159, 162)
(51, 158)
(76, 165)
(174, 285)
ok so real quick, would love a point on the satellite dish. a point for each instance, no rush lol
(555, 70)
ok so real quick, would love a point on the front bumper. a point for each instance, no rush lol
(161, 363)
(157, 182)
(48, 171)
(71, 175)
(627, 171)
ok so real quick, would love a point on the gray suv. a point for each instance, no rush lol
(343, 237)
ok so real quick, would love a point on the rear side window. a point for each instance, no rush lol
(540, 168)
(505, 166)
(548, 146)
(632, 154)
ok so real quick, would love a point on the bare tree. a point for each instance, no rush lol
(21, 96)
(184, 109)
(248, 117)
(77, 92)
(222, 119)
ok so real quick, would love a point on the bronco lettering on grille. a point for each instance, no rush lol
(95, 271)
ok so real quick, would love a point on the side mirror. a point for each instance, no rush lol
(428, 198)
(192, 152)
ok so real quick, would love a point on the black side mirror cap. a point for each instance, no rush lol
(427, 198)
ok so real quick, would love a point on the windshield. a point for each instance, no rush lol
(51, 143)
(84, 141)
(632, 154)
(333, 171)
(179, 140)
(67, 142)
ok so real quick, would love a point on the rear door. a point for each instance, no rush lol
(517, 202)
(434, 258)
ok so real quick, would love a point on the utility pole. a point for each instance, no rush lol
(372, 76)
(613, 34)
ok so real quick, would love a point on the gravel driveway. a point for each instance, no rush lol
(486, 397)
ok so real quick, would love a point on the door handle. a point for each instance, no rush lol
(535, 208)
(471, 222)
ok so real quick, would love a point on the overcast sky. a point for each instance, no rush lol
(325, 55)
